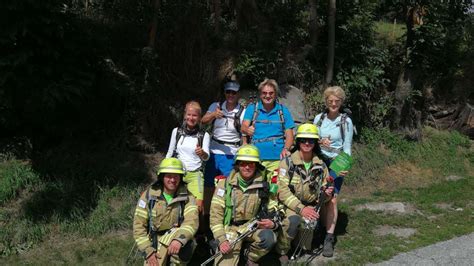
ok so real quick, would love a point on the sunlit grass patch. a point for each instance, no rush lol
(359, 245)
(15, 175)
(390, 31)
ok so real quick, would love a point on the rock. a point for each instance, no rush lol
(293, 98)
(397, 207)
(453, 178)
(443, 206)
(398, 232)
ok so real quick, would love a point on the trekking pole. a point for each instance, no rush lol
(130, 253)
(310, 225)
(252, 227)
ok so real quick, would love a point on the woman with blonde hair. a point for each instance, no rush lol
(190, 144)
(336, 131)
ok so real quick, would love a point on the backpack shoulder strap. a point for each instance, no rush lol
(264, 195)
(182, 206)
(255, 113)
(151, 200)
(321, 118)
(291, 172)
(282, 118)
(237, 124)
(343, 126)
(179, 134)
(291, 168)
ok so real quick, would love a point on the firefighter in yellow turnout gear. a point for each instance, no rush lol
(300, 179)
(166, 218)
(237, 200)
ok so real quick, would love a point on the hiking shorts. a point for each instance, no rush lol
(218, 164)
(338, 180)
(195, 183)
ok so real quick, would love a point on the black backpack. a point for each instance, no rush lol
(181, 133)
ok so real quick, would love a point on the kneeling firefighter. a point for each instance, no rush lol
(304, 185)
(241, 203)
(166, 218)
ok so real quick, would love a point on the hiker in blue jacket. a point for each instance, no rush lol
(336, 131)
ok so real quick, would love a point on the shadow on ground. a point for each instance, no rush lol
(74, 175)
(202, 251)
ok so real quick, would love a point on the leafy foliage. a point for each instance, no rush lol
(439, 44)
(45, 64)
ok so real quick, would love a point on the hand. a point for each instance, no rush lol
(152, 260)
(200, 204)
(284, 153)
(251, 131)
(218, 112)
(199, 151)
(343, 173)
(325, 142)
(329, 191)
(174, 247)
(265, 224)
(225, 247)
(309, 213)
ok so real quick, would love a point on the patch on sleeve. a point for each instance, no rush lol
(142, 204)
(220, 192)
(282, 171)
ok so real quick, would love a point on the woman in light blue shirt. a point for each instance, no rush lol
(336, 131)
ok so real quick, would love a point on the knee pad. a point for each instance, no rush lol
(295, 221)
(267, 239)
(186, 252)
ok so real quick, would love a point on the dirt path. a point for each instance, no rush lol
(457, 251)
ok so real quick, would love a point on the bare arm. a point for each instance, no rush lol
(289, 138)
(213, 113)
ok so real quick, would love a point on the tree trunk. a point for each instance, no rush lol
(331, 41)
(217, 16)
(154, 24)
(464, 122)
(313, 23)
(407, 116)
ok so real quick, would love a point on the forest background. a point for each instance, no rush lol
(91, 89)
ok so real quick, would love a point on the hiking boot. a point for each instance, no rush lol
(284, 260)
(328, 248)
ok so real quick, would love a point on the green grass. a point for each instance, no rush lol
(441, 152)
(78, 215)
(359, 245)
(109, 249)
(389, 32)
(43, 212)
(14, 176)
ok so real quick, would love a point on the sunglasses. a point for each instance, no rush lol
(230, 92)
(309, 141)
(245, 164)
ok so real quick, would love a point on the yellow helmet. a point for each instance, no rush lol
(307, 131)
(248, 153)
(171, 166)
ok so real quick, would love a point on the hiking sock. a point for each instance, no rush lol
(328, 248)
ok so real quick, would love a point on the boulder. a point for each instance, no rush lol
(293, 98)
